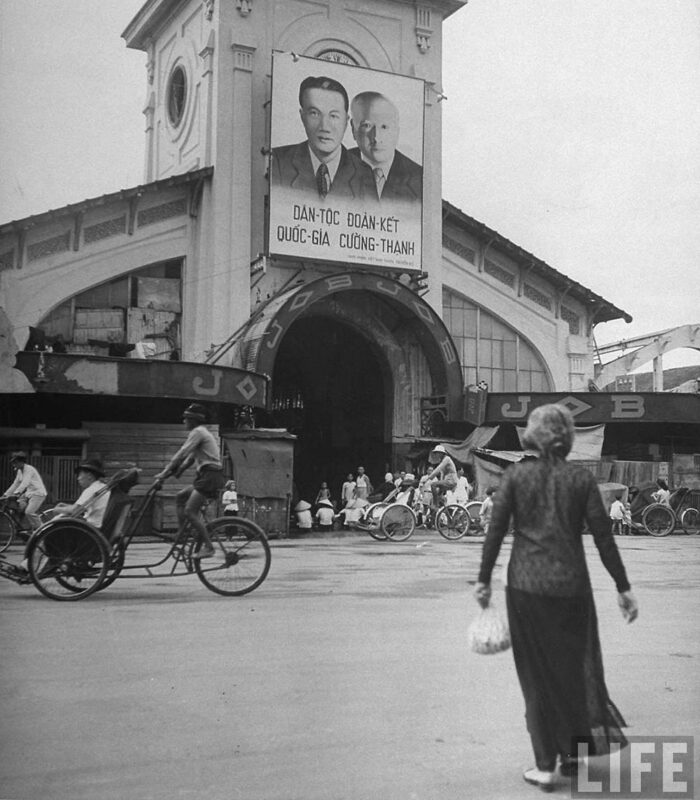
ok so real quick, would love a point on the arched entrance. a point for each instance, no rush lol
(350, 358)
(328, 390)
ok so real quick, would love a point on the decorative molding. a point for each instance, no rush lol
(7, 260)
(572, 318)
(499, 273)
(150, 69)
(467, 253)
(243, 57)
(149, 111)
(150, 216)
(207, 55)
(208, 9)
(244, 7)
(424, 27)
(49, 247)
(537, 296)
(103, 230)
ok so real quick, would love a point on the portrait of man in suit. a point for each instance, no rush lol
(375, 127)
(320, 164)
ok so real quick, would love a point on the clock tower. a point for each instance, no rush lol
(208, 103)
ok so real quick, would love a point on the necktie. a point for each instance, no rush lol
(379, 180)
(322, 180)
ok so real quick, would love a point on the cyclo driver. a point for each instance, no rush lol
(443, 477)
(200, 448)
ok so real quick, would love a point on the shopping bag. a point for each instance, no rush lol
(489, 633)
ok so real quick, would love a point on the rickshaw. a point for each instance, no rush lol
(69, 559)
(658, 519)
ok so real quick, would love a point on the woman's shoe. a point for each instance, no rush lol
(538, 777)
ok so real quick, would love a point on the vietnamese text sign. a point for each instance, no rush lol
(346, 167)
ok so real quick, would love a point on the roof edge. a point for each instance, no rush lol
(91, 202)
(605, 311)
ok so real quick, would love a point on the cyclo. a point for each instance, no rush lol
(397, 516)
(69, 559)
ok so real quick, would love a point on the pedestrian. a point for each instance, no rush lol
(201, 449)
(363, 485)
(304, 519)
(617, 515)
(324, 493)
(325, 515)
(230, 499)
(462, 489)
(28, 488)
(347, 492)
(551, 612)
(486, 509)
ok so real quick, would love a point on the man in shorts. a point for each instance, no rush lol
(201, 449)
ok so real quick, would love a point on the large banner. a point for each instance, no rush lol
(346, 168)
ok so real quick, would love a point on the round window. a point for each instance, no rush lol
(177, 95)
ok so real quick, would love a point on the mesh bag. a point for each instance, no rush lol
(489, 633)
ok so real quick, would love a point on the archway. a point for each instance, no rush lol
(329, 389)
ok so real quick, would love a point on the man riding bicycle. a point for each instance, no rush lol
(443, 477)
(201, 449)
(28, 488)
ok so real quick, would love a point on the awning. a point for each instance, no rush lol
(587, 444)
(64, 373)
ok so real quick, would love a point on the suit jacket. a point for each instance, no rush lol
(291, 166)
(404, 181)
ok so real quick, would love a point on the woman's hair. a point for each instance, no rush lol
(550, 430)
(661, 483)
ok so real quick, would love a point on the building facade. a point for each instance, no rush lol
(354, 321)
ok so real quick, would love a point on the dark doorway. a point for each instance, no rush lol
(328, 390)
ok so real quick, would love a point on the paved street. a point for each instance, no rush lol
(345, 676)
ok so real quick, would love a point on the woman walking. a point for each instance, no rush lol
(552, 617)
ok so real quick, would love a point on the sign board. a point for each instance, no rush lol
(346, 164)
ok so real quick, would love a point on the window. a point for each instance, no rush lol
(492, 351)
(177, 95)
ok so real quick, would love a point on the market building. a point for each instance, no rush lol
(354, 319)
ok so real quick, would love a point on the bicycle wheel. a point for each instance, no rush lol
(242, 558)
(474, 511)
(690, 520)
(373, 518)
(452, 521)
(68, 560)
(658, 520)
(398, 522)
(8, 530)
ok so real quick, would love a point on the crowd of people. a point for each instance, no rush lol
(442, 481)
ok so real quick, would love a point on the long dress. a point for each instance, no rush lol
(551, 613)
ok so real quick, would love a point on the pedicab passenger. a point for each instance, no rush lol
(201, 449)
(91, 504)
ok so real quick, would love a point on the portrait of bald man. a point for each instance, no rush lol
(321, 164)
(374, 121)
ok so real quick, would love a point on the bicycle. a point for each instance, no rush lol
(453, 521)
(10, 522)
(69, 559)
